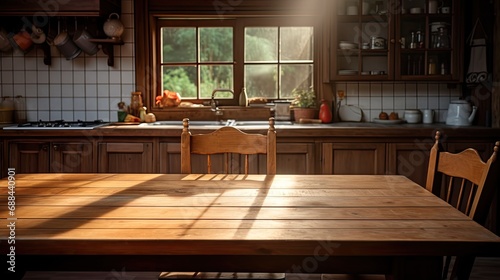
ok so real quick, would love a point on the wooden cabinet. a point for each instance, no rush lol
(409, 159)
(429, 43)
(43, 157)
(400, 40)
(361, 34)
(295, 158)
(292, 158)
(125, 157)
(353, 158)
(39, 9)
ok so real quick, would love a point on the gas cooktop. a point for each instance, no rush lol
(58, 124)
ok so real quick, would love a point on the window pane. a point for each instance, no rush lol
(179, 44)
(181, 79)
(297, 43)
(215, 76)
(295, 76)
(216, 44)
(261, 44)
(260, 80)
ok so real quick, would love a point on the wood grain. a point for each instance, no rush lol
(283, 217)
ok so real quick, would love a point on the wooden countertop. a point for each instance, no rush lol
(341, 129)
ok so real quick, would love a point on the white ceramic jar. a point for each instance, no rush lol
(413, 116)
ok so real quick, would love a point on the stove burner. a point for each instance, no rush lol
(59, 124)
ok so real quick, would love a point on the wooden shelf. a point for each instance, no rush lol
(107, 46)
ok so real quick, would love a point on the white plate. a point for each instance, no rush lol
(350, 113)
(345, 45)
(377, 120)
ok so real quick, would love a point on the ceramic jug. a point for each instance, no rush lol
(113, 27)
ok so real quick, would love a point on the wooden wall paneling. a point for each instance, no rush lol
(495, 98)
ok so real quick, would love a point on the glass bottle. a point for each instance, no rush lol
(135, 103)
(432, 67)
(243, 100)
(413, 41)
(420, 40)
(443, 40)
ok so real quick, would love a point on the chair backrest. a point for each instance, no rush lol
(228, 140)
(469, 181)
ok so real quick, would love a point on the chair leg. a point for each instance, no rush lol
(446, 267)
(462, 267)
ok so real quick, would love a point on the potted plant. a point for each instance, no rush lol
(304, 103)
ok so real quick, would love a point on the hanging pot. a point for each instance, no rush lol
(37, 35)
(66, 46)
(82, 40)
(21, 41)
(5, 45)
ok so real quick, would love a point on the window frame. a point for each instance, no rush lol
(314, 14)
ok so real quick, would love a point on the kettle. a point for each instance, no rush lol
(113, 27)
(460, 113)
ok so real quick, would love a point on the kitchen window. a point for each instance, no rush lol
(268, 56)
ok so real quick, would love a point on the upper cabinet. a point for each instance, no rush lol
(400, 40)
(59, 8)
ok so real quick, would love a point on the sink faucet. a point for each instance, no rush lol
(213, 104)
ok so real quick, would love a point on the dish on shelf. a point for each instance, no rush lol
(348, 72)
(346, 45)
(416, 10)
(377, 120)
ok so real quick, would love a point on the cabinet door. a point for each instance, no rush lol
(29, 157)
(353, 158)
(295, 158)
(362, 40)
(410, 160)
(126, 157)
(430, 41)
(292, 158)
(71, 157)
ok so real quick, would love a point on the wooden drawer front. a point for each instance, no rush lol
(126, 157)
(353, 158)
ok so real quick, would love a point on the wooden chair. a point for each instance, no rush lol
(227, 140)
(469, 185)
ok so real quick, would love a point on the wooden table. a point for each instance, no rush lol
(281, 223)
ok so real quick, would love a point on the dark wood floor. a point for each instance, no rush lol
(484, 269)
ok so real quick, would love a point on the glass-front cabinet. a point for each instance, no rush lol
(396, 40)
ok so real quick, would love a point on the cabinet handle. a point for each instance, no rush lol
(392, 41)
(56, 148)
(45, 147)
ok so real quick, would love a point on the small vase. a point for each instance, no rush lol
(325, 115)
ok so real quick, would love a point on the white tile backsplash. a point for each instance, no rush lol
(374, 97)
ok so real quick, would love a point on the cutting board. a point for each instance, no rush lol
(350, 113)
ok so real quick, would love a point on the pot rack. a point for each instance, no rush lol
(105, 43)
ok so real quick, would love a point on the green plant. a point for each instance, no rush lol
(304, 97)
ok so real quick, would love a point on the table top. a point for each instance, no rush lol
(201, 214)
